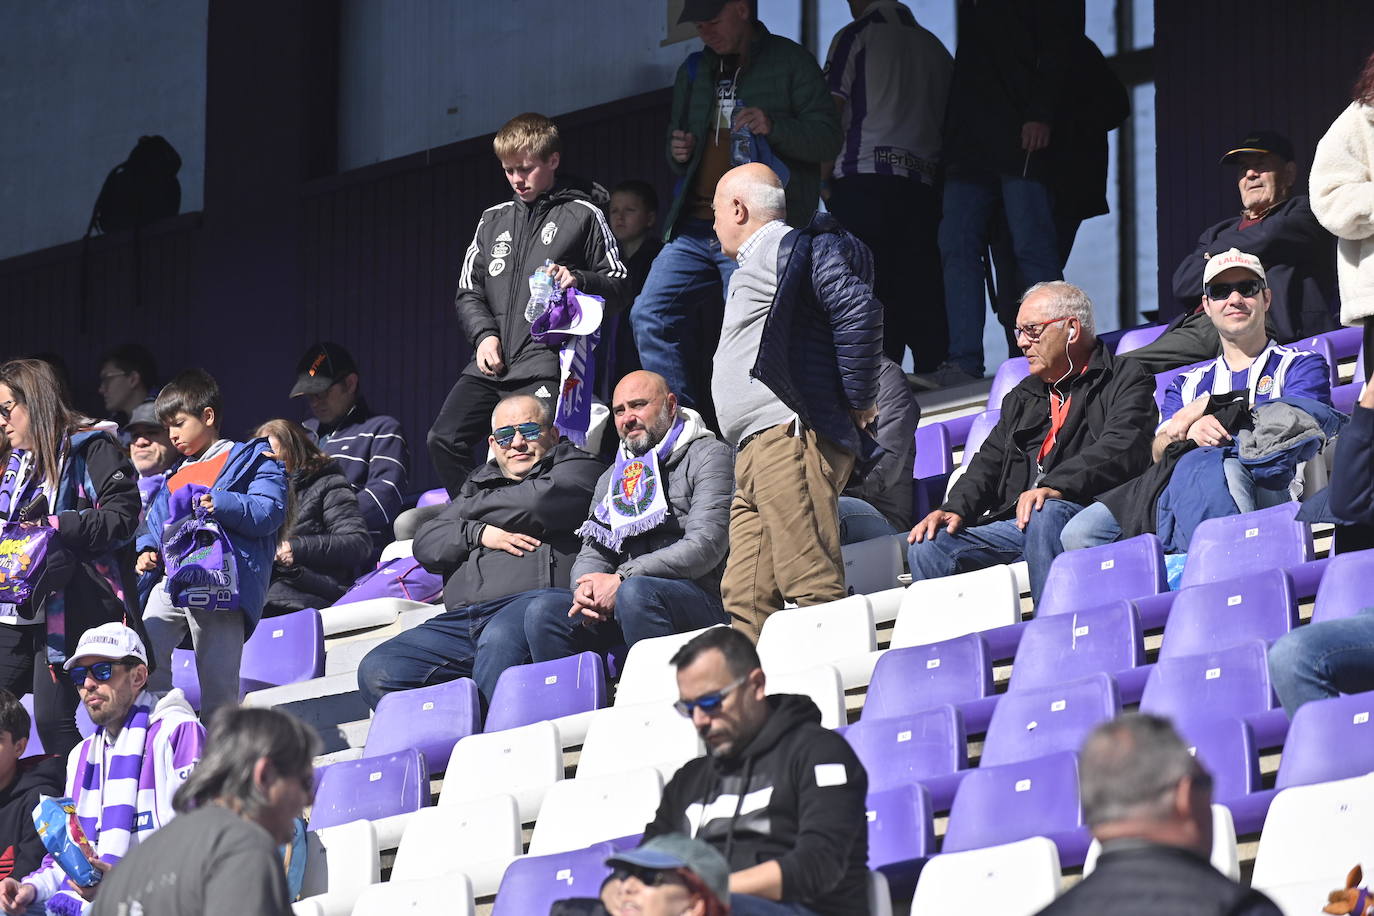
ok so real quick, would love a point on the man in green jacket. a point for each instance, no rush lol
(745, 77)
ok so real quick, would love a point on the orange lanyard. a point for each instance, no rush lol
(1059, 412)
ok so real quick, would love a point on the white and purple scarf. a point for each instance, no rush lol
(637, 499)
(565, 325)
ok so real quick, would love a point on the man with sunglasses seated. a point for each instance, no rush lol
(1236, 299)
(780, 796)
(122, 778)
(510, 529)
(1076, 427)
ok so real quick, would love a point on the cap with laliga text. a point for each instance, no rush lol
(322, 365)
(1262, 141)
(1232, 258)
(109, 640)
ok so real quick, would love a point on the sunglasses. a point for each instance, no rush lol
(649, 877)
(709, 703)
(505, 435)
(1220, 292)
(5, 410)
(101, 671)
(1032, 332)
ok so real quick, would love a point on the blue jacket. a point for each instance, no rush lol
(822, 343)
(250, 504)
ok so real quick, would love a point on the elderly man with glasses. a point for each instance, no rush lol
(1076, 427)
(781, 797)
(510, 529)
(122, 778)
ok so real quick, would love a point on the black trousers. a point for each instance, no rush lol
(458, 436)
(24, 669)
(899, 220)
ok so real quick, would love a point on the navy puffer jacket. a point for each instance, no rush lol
(822, 343)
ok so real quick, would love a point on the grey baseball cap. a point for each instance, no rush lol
(673, 851)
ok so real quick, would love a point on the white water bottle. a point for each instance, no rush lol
(543, 292)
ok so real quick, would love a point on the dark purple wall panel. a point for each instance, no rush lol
(1225, 67)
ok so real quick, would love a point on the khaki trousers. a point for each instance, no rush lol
(784, 525)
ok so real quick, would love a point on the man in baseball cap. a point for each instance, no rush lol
(369, 448)
(1279, 229)
(138, 735)
(150, 449)
(670, 875)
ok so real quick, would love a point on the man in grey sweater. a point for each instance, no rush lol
(795, 384)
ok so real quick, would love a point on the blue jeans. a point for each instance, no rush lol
(687, 281)
(1092, 527)
(859, 521)
(986, 545)
(645, 606)
(749, 905)
(1323, 660)
(442, 649)
(965, 227)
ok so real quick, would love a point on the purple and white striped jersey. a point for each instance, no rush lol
(893, 76)
(1277, 372)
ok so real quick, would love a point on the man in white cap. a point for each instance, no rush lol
(1236, 297)
(122, 778)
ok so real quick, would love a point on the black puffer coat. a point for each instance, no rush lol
(329, 543)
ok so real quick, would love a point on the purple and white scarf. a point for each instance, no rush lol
(573, 324)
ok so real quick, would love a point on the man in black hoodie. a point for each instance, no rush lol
(781, 797)
(21, 782)
(545, 222)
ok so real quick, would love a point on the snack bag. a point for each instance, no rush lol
(62, 836)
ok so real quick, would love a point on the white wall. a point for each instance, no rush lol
(79, 83)
(416, 74)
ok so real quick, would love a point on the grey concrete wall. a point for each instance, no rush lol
(80, 81)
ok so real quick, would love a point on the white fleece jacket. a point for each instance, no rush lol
(1342, 193)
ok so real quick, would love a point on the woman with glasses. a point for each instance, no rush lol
(324, 543)
(79, 481)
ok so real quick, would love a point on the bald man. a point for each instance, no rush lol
(795, 386)
(653, 543)
(510, 529)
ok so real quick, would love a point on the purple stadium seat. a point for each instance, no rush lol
(431, 719)
(547, 690)
(900, 835)
(1226, 613)
(1164, 379)
(1007, 377)
(432, 498)
(1136, 338)
(1065, 647)
(1329, 739)
(1080, 579)
(184, 675)
(1044, 720)
(1322, 344)
(35, 745)
(370, 789)
(1238, 545)
(1226, 747)
(920, 747)
(532, 883)
(1228, 682)
(912, 679)
(283, 650)
(1001, 804)
(1344, 589)
(982, 425)
(934, 462)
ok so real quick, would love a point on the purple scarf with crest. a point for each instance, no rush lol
(636, 501)
(576, 368)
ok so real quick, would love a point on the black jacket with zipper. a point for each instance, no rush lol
(329, 541)
(795, 794)
(513, 239)
(549, 504)
(21, 850)
(1105, 440)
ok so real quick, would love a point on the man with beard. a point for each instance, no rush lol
(780, 796)
(653, 548)
(122, 778)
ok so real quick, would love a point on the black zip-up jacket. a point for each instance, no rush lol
(811, 820)
(21, 850)
(549, 504)
(329, 542)
(514, 238)
(1105, 440)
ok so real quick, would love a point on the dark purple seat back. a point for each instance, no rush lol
(1001, 804)
(283, 650)
(906, 749)
(370, 789)
(1066, 647)
(901, 835)
(432, 719)
(1226, 747)
(532, 883)
(1344, 589)
(1216, 615)
(1329, 739)
(1044, 720)
(1238, 545)
(1228, 682)
(1079, 579)
(911, 679)
(547, 690)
